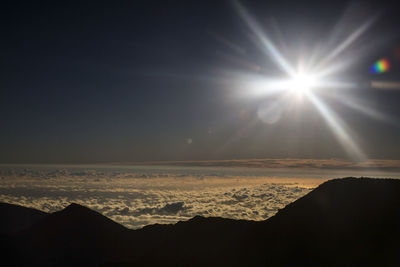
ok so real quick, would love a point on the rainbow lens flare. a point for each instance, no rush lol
(381, 66)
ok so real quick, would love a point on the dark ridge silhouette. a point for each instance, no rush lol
(350, 221)
(15, 218)
(74, 234)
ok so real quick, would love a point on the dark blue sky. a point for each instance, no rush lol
(150, 80)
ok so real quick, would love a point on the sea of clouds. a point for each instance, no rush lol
(142, 195)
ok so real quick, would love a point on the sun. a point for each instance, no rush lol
(315, 73)
(302, 82)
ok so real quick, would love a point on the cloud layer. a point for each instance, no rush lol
(140, 196)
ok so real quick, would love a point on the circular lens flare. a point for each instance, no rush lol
(381, 66)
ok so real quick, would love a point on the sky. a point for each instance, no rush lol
(124, 81)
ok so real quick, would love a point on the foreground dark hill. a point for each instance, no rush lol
(342, 222)
(74, 234)
(352, 222)
(15, 218)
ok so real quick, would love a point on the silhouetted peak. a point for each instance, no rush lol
(362, 181)
(78, 218)
(357, 189)
(343, 201)
(79, 212)
(76, 207)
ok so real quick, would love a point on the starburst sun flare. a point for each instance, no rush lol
(317, 73)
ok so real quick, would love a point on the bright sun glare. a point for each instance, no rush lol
(313, 74)
(302, 82)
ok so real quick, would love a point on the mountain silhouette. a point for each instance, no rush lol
(349, 221)
(74, 234)
(15, 218)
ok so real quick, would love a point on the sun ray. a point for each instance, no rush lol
(338, 128)
(270, 48)
(346, 43)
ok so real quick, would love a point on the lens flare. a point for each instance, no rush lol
(381, 66)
